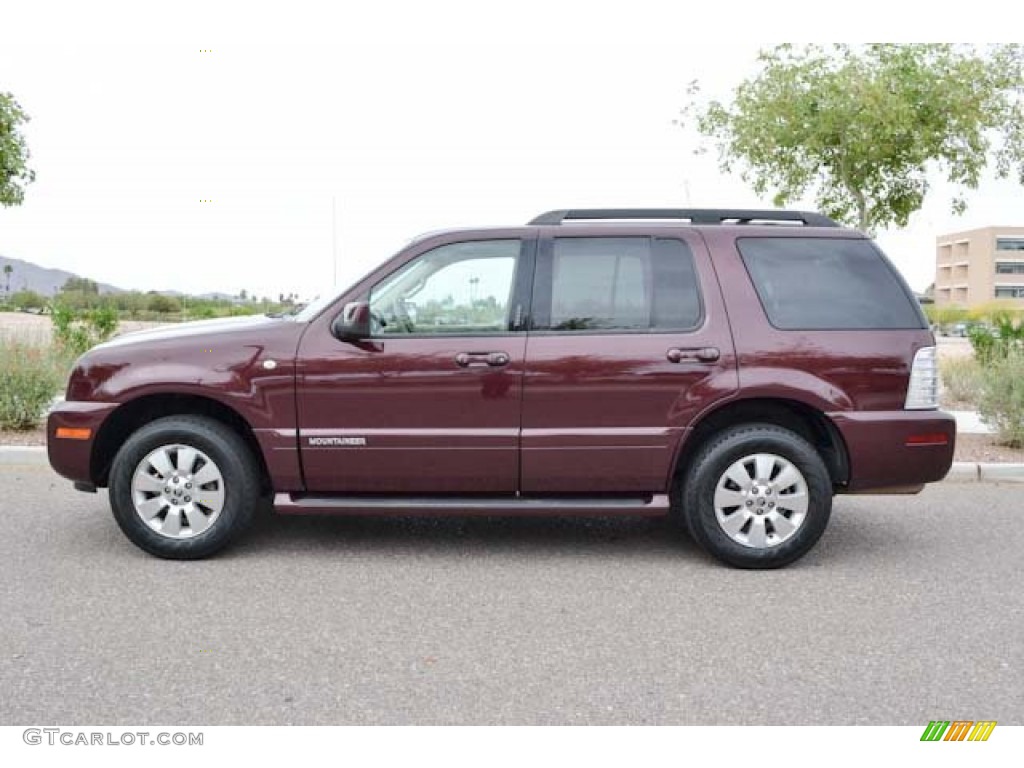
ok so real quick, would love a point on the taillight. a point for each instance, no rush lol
(923, 390)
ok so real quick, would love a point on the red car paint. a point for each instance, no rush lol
(569, 414)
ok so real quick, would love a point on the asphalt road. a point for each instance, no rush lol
(909, 610)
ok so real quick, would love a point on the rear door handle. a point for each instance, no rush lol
(493, 359)
(697, 354)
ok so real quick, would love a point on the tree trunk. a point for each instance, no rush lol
(862, 211)
(863, 221)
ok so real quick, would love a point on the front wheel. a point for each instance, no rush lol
(756, 496)
(183, 487)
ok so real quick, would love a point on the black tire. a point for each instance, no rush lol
(694, 497)
(231, 456)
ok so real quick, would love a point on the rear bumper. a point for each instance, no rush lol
(72, 457)
(896, 449)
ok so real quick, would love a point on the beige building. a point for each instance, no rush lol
(980, 266)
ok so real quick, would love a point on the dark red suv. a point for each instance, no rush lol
(732, 369)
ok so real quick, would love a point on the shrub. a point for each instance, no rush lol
(1004, 337)
(163, 304)
(961, 378)
(28, 300)
(1002, 398)
(993, 310)
(945, 315)
(30, 377)
(76, 330)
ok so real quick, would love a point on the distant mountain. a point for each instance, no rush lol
(48, 282)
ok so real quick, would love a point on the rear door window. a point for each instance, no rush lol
(616, 284)
(814, 283)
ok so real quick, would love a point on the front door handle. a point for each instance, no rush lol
(493, 359)
(697, 354)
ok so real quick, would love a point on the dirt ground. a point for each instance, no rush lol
(37, 329)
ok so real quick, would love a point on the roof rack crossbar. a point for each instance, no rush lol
(693, 215)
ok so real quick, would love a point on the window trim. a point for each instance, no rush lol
(1009, 238)
(915, 304)
(522, 280)
(1018, 292)
(543, 284)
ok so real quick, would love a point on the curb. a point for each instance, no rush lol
(1001, 473)
(960, 472)
(24, 456)
(984, 472)
(14, 455)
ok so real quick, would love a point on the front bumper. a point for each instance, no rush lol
(71, 457)
(896, 449)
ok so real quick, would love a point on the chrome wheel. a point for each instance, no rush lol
(761, 500)
(178, 491)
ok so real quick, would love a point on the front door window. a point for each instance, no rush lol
(459, 289)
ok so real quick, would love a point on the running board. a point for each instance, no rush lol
(305, 504)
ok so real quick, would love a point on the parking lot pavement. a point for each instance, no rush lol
(909, 610)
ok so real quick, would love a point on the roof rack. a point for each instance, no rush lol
(693, 215)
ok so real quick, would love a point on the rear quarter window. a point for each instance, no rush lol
(813, 283)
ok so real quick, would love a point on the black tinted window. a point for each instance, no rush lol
(616, 283)
(821, 283)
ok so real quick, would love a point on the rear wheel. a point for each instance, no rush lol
(184, 487)
(756, 496)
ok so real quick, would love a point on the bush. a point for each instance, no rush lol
(75, 330)
(1002, 398)
(944, 316)
(28, 300)
(995, 342)
(994, 310)
(163, 304)
(961, 378)
(30, 377)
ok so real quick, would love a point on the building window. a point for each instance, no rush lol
(1010, 267)
(1010, 293)
(1010, 243)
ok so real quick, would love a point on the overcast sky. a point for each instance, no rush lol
(412, 117)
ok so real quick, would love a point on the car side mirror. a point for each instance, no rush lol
(353, 324)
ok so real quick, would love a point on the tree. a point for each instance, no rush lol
(14, 171)
(28, 300)
(8, 269)
(163, 304)
(81, 284)
(862, 128)
(79, 293)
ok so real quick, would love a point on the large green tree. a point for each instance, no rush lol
(14, 171)
(863, 129)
